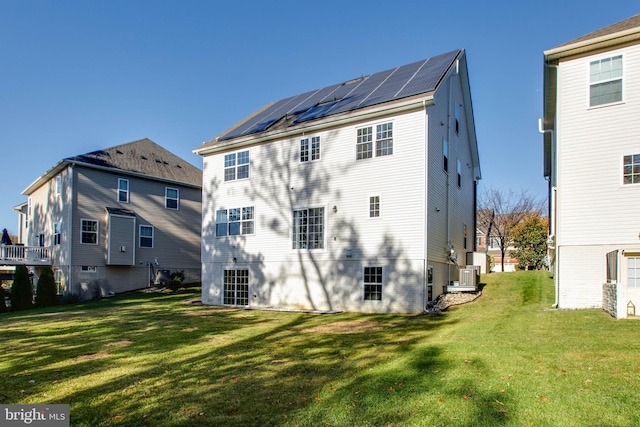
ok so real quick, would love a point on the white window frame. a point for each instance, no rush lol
(233, 167)
(167, 198)
(300, 243)
(631, 170)
(372, 208)
(226, 299)
(124, 191)
(83, 232)
(375, 140)
(57, 233)
(376, 284)
(310, 149)
(600, 81)
(459, 170)
(58, 185)
(456, 115)
(140, 236)
(633, 265)
(89, 269)
(236, 221)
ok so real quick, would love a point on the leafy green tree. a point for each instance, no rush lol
(530, 240)
(46, 293)
(21, 290)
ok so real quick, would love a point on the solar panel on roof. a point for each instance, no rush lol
(407, 80)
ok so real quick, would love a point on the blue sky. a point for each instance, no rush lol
(77, 76)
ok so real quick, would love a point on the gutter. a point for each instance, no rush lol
(608, 40)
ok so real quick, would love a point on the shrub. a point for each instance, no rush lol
(175, 280)
(46, 293)
(21, 290)
(3, 304)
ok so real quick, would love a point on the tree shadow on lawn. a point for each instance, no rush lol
(206, 366)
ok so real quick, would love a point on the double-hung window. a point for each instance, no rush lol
(605, 78)
(374, 206)
(146, 236)
(631, 169)
(236, 165)
(58, 185)
(123, 190)
(308, 228)
(89, 231)
(373, 283)
(57, 232)
(310, 149)
(235, 221)
(171, 198)
(383, 141)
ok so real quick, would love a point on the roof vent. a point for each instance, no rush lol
(119, 152)
(143, 158)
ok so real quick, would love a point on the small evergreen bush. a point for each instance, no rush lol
(175, 280)
(46, 293)
(21, 290)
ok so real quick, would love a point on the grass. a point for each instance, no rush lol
(156, 359)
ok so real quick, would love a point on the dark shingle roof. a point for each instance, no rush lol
(401, 82)
(145, 157)
(626, 24)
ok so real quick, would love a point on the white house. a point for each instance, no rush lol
(592, 161)
(359, 196)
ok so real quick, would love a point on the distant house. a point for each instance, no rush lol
(359, 196)
(113, 220)
(488, 241)
(592, 160)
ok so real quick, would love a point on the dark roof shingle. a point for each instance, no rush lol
(145, 157)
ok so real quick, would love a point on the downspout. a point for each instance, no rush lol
(552, 206)
(449, 245)
(425, 246)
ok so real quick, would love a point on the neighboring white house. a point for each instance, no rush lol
(592, 161)
(358, 196)
(111, 220)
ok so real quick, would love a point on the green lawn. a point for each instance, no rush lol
(157, 359)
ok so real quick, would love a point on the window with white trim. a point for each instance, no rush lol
(41, 240)
(57, 279)
(633, 272)
(308, 228)
(445, 155)
(373, 283)
(605, 78)
(89, 231)
(383, 141)
(236, 286)
(459, 168)
(171, 198)
(123, 190)
(146, 236)
(57, 232)
(457, 118)
(235, 221)
(310, 149)
(631, 169)
(58, 185)
(236, 165)
(374, 206)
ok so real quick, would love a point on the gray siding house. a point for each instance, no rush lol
(116, 219)
(359, 196)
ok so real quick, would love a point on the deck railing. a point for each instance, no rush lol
(18, 254)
